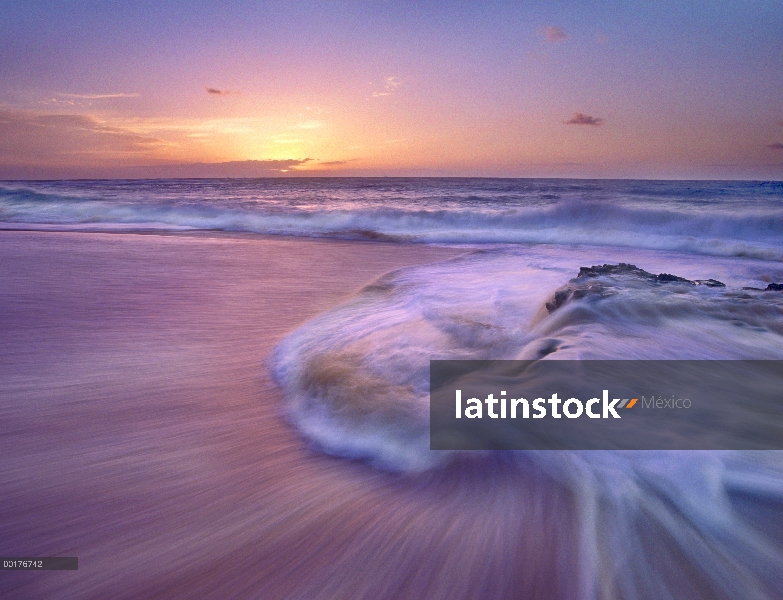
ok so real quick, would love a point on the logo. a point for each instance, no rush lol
(572, 408)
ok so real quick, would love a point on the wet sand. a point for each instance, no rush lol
(140, 431)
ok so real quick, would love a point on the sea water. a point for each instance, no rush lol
(355, 378)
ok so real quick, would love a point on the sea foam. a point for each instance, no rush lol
(711, 218)
(356, 378)
(355, 381)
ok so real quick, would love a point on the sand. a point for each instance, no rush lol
(141, 432)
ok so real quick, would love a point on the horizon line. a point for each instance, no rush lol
(295, 177)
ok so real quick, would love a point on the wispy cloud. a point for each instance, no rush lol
(97, 96)
(554, 34)
(74, 123)
(582, 119)
(310, 125)
(336, 163)
(235, 168)
(35, 144)
(217, 92)
(64, 99)
(36, 138)
(776, 145)
(390, 86)
(283, 138)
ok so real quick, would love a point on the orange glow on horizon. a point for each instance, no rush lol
(507, 92)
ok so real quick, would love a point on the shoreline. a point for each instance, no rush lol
(141, 432)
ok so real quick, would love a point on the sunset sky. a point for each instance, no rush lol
(566, 89)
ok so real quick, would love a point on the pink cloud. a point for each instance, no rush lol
(581, 119)
(555, 34)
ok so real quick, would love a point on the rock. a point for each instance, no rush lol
(621, 269)
(581, 286)
(633, 270)
(709, 282)
(772, 287)
(666, 278)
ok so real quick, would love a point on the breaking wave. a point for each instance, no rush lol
(718, 218)
(652, 524)
(357, 376)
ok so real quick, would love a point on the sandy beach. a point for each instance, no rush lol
(140, 431)
(391, 301)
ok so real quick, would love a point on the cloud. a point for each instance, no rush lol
(390, 86)
(97, 96)
(60, 138)
(554, 34)
(284, 138)
(317, 110)
(776, 145)
(310, 125)
(64, 100)
(35, 145)
(336, 163)
(222, 170)
(217, 92)
(230, 169)
(580, 119)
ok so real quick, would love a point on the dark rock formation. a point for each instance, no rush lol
(633, 270)
(772, 287)
(581, 286)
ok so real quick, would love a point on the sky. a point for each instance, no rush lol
(663, 89)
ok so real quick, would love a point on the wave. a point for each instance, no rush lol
(655, 524)
(671, 220)
(357, 376)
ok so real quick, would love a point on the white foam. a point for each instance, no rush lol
(355, 381)
(367, 360)
(730, 219)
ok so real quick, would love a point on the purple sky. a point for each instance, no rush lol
(587, 89)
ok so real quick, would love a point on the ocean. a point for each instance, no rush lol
(355, 377)
(735, 219)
